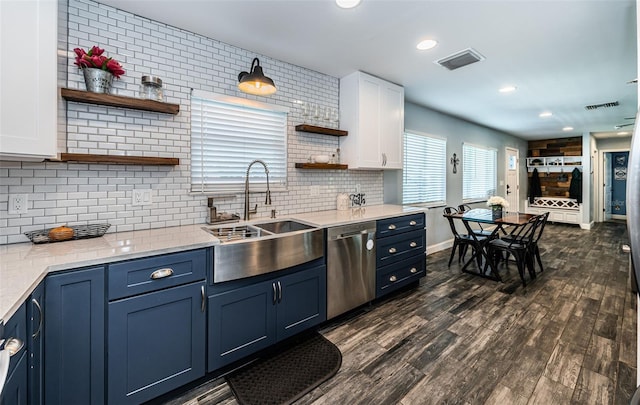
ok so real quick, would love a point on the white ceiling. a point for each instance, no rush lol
(561, 54)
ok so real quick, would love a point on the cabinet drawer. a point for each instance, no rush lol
(394, 276)
(392, 226)
(399, 247)
(155, 273)
(16, 327)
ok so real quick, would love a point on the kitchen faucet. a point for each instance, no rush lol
(267, 200)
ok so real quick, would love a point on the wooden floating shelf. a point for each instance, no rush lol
(321, 166)
(320, 130)
(121, 160)
(119, 101)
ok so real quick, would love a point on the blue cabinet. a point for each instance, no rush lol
(35, 333)
(156, 325)
(74, 328)
(16, 385)
(249, 315)
(400, 252)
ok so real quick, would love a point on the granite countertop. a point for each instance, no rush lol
(24, 265)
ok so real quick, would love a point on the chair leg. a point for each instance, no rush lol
(537, 252)
(453, 251)
(520, 263)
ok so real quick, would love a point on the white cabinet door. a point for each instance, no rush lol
(28, 70)
(372, 111)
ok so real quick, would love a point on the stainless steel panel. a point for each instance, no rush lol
(351, 267)
(236, 260)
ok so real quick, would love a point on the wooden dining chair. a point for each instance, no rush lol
(518, 245)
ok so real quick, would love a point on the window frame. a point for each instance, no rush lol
(440, 172)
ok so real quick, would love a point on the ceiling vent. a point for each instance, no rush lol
(460, 59)
(604, 105)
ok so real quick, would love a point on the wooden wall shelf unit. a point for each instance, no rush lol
(321, 166)
(119, 101)
(320, 130)
(121, 160)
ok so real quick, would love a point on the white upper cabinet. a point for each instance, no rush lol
(372, 110)
(28, 72)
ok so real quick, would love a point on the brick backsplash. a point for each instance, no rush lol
(70, 193)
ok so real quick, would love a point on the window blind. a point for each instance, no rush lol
(424, 174)
(478, 172)
(226, 137)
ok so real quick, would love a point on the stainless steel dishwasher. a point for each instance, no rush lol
(351, 266)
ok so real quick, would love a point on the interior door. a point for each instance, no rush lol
(512, 176)
(606, 162)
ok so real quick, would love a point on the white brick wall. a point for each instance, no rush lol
(71, 193)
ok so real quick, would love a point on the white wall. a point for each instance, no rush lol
(69, 193)
(456, 131)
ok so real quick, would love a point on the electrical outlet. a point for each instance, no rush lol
(17, 204)
(315, 190)
(141, 197)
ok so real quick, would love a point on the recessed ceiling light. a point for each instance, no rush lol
(567, 129)
(427, 44)
(347, 3)
(545, 114)
(507, 89)
(623, 133)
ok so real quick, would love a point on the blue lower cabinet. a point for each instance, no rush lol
(256, 315)
(16, 386)
(74, 352)
(35, 334)
(156, 343)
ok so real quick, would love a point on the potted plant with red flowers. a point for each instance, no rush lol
(98, 69)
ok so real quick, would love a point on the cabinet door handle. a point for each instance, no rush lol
(393, 279)
(275, 293)
(392, 250)
(202, 305)
(413, 244)
(413, 270)
(279, 292)
(161, 273)
(13, 345)
(37, 305)
(412, 223)
(391, 227)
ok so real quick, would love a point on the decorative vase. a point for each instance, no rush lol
(496, 212)
(97, 80)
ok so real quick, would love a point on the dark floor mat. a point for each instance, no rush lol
(285, 376)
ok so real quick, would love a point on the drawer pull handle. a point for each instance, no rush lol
(13, 345)
(413, 244)
(413, 270)
(202, 296)
(392, 227)
(392, 250)
(412, 223)
(161, 273)
(393, 279)
(275, 294)
(37, 305)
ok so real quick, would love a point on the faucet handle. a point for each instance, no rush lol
(254, 210)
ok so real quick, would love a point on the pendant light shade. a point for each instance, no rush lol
(256, 82)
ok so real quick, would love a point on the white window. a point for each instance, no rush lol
(424, 174)
(227, 134)
(478, 172)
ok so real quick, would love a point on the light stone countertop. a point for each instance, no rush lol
(24, 265)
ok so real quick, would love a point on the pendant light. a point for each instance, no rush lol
(256, 82)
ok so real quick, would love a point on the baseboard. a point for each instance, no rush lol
(439, 246)
(587, 226)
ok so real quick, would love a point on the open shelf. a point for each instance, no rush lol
(321, 166)
(320, 130)
(122, 160)
(119, 101)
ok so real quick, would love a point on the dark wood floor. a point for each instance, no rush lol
(569, 337)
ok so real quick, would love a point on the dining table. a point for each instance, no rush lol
(480, 257)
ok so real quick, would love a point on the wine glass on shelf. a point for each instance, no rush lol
(305, 109)
(335, 118)
(316, 113)
(327, 117)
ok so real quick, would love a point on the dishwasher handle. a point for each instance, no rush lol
(352, 234)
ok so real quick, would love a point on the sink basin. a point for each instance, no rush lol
(234, 233)
(284, 226)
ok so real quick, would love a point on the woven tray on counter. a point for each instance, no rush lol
(79, 232)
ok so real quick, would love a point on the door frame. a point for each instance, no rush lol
(599, 181)
(506, 172)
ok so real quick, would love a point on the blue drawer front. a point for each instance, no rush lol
(397, 225)
(16, 327)
(135, 276)
(400, 247)
(399, 274)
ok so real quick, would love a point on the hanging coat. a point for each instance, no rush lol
(575, 188)
(535, 190)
